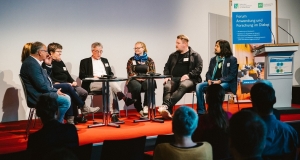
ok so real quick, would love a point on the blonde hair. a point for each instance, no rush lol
(183, 38)
(95, 44)
(26, 51)
(143, 45)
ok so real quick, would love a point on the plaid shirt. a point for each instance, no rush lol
(131, 68)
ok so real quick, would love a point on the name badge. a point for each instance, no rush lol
(106, 65)
(134, 62)
(64, 68)
(228, 64)
(185, 59)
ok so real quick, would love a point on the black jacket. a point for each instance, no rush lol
(229, 71)
(195, 67)
(86, 70)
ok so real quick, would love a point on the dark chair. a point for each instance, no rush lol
(230, 93)
(31, 111)
(83, 152)
(126, 149)
(15, 155)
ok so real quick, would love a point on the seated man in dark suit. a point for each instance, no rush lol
(37, 82)
(97, 66)
(53, 134)
(282, 139)
(60, 77)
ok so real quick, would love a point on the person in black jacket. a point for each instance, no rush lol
(60, 76)
(222, 70)
(185, 67)
(97, 66)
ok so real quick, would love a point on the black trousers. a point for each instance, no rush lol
(135, 87)
(174, 91)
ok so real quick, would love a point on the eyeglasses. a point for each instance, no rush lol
(137, 48)
(58, 51)
(97, 51)
(44, 51)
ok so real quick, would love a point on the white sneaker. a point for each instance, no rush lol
(164, 112)
(145, 110)
(142, 114)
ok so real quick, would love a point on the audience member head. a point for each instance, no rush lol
(26, 51)
(263, 97)
(46, 108)
(60, 153)
(215, 94)
(55, 49)
(97, 50)
(247, 135)
(140, 48)
(39, 51)
(222, 48)
(185, 121)
(182, 43)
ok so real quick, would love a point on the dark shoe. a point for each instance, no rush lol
(114, 118)
(129, 101)
(81, 119)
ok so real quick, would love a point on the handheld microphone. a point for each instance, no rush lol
(272, 34)
(287, 33)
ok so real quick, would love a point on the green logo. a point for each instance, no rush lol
(260, 5)
(236, 5)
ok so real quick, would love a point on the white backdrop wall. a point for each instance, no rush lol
(117, 24)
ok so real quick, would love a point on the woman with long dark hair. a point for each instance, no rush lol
(213, 126)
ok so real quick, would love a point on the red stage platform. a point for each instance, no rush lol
(12, 133)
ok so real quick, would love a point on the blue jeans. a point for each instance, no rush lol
(64, 103)
(76, 100)
(200, 90)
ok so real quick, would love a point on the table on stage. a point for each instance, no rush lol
(151, 96)
(105, 94)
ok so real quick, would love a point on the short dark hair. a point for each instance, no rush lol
(263, 97)
(215, 94)
(185, 121)
(225, 48)
(54, 46)
(46, 107)
(247, 132)
(36, 46)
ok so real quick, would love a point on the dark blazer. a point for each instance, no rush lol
(36, 81)
(53, 134)
(229, 71)
(86, 69)
(195, 66)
